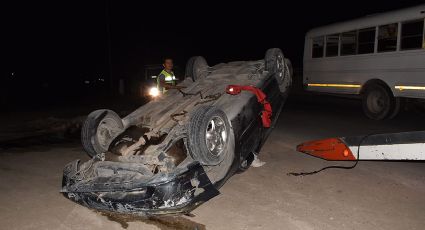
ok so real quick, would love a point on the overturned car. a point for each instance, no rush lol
(175, 152)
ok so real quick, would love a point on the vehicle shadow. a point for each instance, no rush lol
(162, 222)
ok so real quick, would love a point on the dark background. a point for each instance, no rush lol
(50, 48)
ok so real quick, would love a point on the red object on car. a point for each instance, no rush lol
(266, 114)
(332, 149)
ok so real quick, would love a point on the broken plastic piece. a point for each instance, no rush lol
(333, 149)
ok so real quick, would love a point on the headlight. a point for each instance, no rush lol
(154, 92)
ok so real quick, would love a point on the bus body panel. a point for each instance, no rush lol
(402, 70)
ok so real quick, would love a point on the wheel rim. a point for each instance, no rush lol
(280, 66)
(216, 136)
(106, 130)
(377, 101)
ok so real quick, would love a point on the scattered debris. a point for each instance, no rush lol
(257, 162)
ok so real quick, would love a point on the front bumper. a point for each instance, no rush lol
(171, 193)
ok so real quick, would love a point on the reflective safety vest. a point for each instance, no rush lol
(169, 79)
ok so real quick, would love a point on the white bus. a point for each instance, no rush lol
(380, 57)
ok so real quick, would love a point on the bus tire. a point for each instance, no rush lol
(399, 105)
(378, 102)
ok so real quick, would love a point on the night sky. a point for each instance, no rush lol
(62, 43)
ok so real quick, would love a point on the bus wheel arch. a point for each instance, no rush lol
(378, 100)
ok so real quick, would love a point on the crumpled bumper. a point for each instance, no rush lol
(172, 193)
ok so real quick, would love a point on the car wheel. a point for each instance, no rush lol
(196, 68)
(281, 67)
(99, 130)
(208, 135)
(212, 142)
(378, 103)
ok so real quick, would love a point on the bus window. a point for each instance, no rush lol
(387, 38)
(332, 42)
(349, 43)
(317, 47)
(412, 35)
(366, 41)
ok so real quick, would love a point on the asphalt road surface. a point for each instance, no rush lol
(373, 195)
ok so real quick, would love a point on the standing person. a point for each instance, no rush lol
(166, 79)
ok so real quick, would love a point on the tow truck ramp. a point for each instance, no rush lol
(405, 146)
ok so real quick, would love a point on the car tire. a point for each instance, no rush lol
(99, 130)
(208, 133)
(378, 102)
(290, 68)
(280, 67)
(196, 68)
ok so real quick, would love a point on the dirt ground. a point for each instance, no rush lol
(374, 195)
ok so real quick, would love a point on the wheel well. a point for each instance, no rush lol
(375, 82)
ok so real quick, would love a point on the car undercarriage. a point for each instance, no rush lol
(174, 153)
